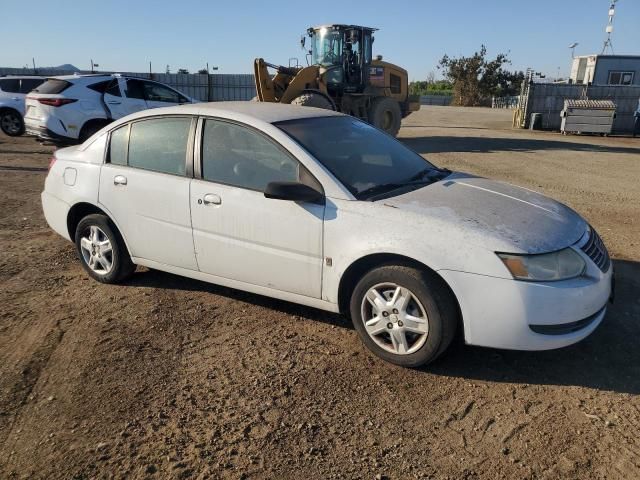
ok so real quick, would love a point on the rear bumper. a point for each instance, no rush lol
(56, 212)
(45, 133)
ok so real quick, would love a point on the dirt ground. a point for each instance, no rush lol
(165, 377)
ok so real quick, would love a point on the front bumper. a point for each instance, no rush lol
(516, 315)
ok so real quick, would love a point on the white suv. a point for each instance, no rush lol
(71, 108)
(13, 90)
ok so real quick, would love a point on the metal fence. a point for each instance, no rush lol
(206, 88)
(548, 99)
(435, 99)
(504, 102)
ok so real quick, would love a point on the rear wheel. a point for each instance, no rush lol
(101, 250)
(89, 129)
(310, 99)
(404, 315)
(386, 115)
(11, 123)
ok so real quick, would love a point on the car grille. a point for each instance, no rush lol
(596, 251)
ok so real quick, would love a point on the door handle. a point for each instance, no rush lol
(119, 180)
(112, 102)
(212, 199)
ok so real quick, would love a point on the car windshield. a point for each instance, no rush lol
(327, 47)
(368, 162)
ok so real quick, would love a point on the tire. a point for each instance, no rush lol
(310, 99)
(385, 114)
(103, 265)
(11, 123)
(428, 329)
(89, 129)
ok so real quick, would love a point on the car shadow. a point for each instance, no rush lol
(609, 359)
(453, 144)
(157, 279)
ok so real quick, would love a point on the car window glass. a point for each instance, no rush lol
(29, 84)
(53, 86)
(99, 87)
(239, 156)
(113, 89)
(158, 93)
(359, 155)
(160, 144)
(135, 89)
(10, 85)
(118, 146)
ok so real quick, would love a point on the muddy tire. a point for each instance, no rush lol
(404, 315)
(311, 99)
(11, 123)
(386, 115)
(101, 250)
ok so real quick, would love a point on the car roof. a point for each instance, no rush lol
(263, 111)
(22, 76)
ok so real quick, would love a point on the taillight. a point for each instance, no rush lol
(55, 102)
(52, 160)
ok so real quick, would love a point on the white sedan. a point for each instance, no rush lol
(321, 209)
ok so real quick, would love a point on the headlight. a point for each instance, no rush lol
(545, 267)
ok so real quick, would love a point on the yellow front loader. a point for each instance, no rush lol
(342, 76)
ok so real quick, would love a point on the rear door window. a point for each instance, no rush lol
(160, 144)
(135, 89)
(154, 92)
(53, 86)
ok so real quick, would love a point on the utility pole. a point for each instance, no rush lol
(33, 61)
(609, 28)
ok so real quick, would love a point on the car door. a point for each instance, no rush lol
(131, 100)
(238, 233)
(144, 186)
(10, 95)
(157, 95)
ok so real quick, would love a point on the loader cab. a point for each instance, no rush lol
(343, 53)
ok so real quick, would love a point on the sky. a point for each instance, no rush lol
(127, 35)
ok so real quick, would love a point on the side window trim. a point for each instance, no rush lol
(198, 153)
(189, 156)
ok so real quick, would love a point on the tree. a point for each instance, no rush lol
(203, 71)
(183, 71)
(476, 78)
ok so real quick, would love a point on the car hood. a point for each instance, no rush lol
(495, 215)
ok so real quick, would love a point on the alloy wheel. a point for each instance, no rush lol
(394, 318)
(11, 123)
(96, 250)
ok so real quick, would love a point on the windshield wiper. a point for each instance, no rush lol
(378, 189)
(423, 177)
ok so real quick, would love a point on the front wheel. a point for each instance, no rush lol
(101, 250)
(404, 315)
(11, 123)
(386, 115)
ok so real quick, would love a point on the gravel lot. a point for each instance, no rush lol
(166, 377)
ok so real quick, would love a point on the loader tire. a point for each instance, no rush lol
(385, 114)
(311, 99)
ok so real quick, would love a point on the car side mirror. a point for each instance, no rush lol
(293, 191)
(303, 41)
